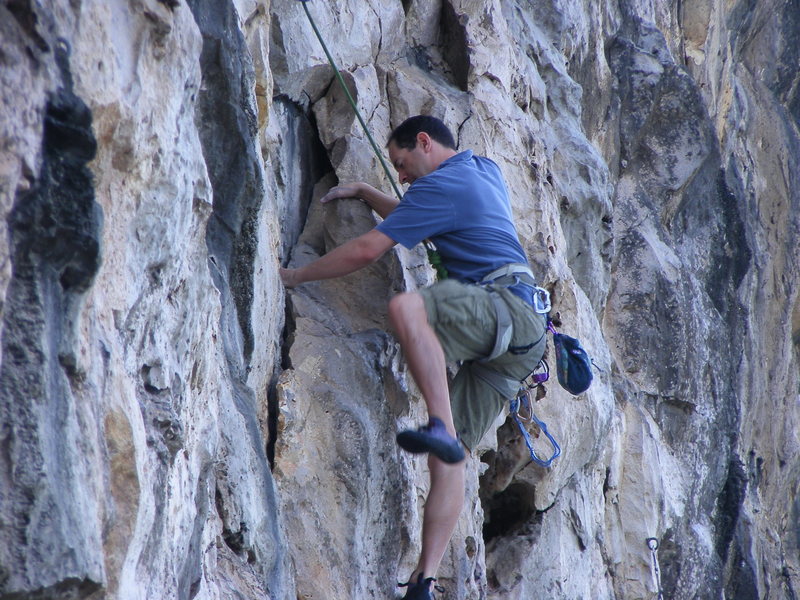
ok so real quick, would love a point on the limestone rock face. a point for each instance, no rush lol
(177, 425)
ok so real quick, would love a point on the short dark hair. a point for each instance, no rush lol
(405, 134)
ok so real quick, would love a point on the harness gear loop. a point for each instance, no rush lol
(522, 399)
(520, 274)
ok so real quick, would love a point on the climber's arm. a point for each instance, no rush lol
(350, 256)
(381, 203)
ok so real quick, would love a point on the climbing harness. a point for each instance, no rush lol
(433, 254)
(523, 401)
(518, 273)
(521, 408)
(652, 543)
(573, 365)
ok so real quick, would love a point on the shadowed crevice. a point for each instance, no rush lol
(455, 45)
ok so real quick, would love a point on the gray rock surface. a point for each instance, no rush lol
(173, 424)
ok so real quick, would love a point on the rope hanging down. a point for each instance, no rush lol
(433, 255)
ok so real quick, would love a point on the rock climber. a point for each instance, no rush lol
(481, 314)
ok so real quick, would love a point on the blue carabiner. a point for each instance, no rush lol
(515, 405)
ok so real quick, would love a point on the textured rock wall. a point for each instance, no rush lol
(175, 426)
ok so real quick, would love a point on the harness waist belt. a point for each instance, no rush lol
(519, 271)
(515, 273)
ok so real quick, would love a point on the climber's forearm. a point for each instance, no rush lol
(343, 260)
(381, 203)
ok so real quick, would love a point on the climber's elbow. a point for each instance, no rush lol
(371, 246)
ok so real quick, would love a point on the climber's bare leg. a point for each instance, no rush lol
(426, 361)
(442, 510)
(423, 353)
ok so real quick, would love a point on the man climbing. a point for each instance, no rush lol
(481, 314)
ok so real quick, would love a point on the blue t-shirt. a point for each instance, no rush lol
(463, 207)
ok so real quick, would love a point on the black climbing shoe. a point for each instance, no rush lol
(434, 438)
(421, 590)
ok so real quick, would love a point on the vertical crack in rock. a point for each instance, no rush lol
(273, 410)
(299, 162)
(455, 44)
(191, 574)
(55, 231)
(669, 559)
(729, 505)
(740, 579)
(683, 250)
(227, 125)
(446, 55)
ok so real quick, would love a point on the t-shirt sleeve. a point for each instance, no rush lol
(422, 213)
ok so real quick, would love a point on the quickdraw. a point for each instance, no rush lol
(523, 401)
(652, 543)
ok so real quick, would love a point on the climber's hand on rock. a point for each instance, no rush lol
(347, 190)
(289, 277)
(381, 203)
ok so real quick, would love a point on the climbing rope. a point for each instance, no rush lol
(433, 255)
(352, 102)
(652, 543)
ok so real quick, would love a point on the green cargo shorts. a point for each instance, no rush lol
(464, 319)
